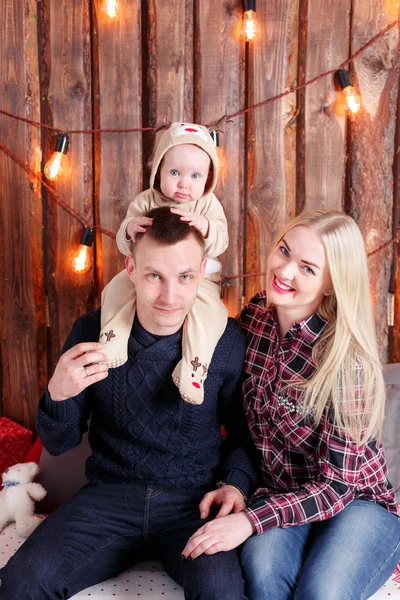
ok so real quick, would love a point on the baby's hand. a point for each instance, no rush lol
(137, 225)
(201, 223)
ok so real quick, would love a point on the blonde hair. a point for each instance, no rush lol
(348, 382)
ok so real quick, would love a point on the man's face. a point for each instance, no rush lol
(166, 280)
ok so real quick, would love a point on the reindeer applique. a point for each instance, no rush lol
(198, 377)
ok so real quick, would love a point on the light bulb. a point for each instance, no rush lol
(81, 261)
(352, 100)
(53, 169)
(220, 160)
(110, 8)
(249, 25)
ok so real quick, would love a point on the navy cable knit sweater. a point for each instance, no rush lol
(141, 430)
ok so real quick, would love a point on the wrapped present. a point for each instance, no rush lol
(15, 443)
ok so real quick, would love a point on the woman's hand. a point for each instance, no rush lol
(219, 535)
(77, 368)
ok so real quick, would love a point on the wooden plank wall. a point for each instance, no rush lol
(65, 68)
(69, 66)
(22, 304)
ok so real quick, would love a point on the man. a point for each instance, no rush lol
(154, 455)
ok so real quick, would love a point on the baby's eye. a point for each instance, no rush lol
(195, 175)
(174, 172)
(309, 270)
(284, 250)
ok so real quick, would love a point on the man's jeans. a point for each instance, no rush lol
(107, 528)
(347, 557)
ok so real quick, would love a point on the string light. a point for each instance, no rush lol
(53, 169)
(110, 8)
(351, 98)
(220, 157)
(82, 262)
(250, 27)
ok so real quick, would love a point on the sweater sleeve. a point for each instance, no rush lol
(61, 424)
(241, 457)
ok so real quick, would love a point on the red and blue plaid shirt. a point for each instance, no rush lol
(309, 473)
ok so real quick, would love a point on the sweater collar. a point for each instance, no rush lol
(158, 346)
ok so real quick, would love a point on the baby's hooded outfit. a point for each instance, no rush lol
(207, 319)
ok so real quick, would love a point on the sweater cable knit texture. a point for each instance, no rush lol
(141, 431)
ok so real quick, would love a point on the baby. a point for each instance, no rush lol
(183, 177)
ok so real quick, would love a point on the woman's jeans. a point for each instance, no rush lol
(107, 528)
(347, 557)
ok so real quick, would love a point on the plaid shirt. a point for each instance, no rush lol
(309, 473)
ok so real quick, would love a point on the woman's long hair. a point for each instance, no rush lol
(348, 382)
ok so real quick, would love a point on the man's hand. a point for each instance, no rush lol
(219, 535)
(201, 223)
(228, 497)
(137, 225)
(77, 369)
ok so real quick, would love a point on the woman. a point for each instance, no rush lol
(324, 523)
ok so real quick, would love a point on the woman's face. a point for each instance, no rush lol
(298, 274)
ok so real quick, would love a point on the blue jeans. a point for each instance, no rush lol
(105, 529)
(347, 557)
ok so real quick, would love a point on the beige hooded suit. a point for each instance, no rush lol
(207, 319)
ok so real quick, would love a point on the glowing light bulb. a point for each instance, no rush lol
(249, 20)
(82, 261)
(110, 8)
(53, 169)
(352, 100)
(249, 25)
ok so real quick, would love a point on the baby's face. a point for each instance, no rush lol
(184, 173)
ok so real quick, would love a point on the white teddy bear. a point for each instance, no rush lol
(17, 498)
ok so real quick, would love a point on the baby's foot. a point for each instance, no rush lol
(190, 380)
(115, 348)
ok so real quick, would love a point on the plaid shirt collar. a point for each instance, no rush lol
(309, 329)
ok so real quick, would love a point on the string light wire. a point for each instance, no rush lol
(225, 118)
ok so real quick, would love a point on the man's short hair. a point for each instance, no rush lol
(168, 229)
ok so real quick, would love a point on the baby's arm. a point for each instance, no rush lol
(209, 218)
(194, 220)
(217, 240)
(135, 220)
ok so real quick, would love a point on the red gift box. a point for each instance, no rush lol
(15, 443)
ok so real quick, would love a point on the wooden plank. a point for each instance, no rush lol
(220, 71)
(327, 46)
(271, 141)
(170, 55)
(22, 314)
(168, 68)
(372, 136)
(396, 329)
(118, 155)
(66, 103)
